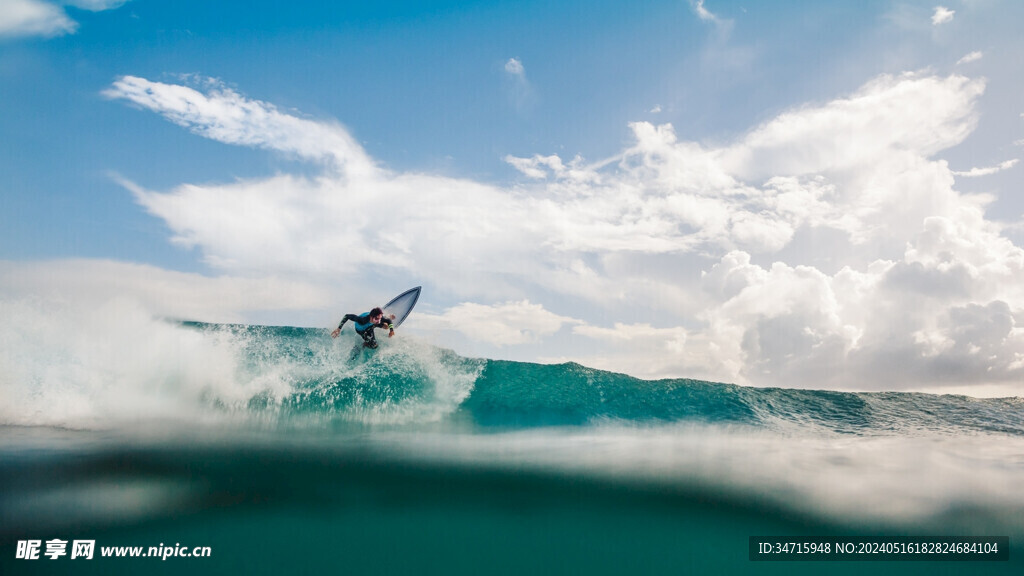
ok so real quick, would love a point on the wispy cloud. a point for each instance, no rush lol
(542, 167)
(42, 18)
(33, 18)
(702, 12)
(219, 113)
(720, 55)
(96, 5)
(667, 227)
(972, 57)
(166, 293)
(520, 91)
(989, 170)
(942, 15)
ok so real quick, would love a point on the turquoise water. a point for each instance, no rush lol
(283, 453)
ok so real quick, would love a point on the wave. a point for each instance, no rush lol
(114, 364)
(522, 394)
(410, 382)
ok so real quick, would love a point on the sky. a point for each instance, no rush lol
(800, 194)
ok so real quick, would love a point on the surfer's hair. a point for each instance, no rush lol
(376, 311)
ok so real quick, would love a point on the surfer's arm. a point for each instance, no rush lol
(352, 317)
(341, 324)
(387, 324)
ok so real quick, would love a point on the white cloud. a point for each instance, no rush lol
(538, 166)
(41, 18)
(520, 91)
(924, 114)
(988, 171)
(515, 67)
(827, 247)
(223, 115)
(541, 167)
(460, 235)
(96, 5)
(719, 54)
(942, 15)
(972, 57)
(702, 12)
(506, 324)
(92, 283)
(649, 351)
(33, 18)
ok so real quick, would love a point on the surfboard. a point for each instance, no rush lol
(402, 305)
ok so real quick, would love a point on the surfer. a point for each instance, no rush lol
(365, 323)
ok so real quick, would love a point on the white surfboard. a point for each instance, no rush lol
(402, 305)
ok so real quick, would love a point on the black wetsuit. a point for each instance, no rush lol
(365, 328)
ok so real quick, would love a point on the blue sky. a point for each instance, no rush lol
(789, 193)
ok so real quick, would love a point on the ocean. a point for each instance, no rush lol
(272, 450)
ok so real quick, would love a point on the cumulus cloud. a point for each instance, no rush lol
(942, 15)
(443, 230)
(504, 324)
(923, 114)
(827, 247)
(515, 67)
(41, 18)
(644, 347)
